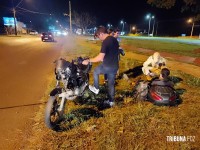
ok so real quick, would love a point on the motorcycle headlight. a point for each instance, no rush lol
(68, 71)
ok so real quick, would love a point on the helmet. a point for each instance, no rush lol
(156, 56)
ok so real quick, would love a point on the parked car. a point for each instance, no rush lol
(47, 36)
(33, 32)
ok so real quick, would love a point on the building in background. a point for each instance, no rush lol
(9, 26)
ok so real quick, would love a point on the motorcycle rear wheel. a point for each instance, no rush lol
(52, 115)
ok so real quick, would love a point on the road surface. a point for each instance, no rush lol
(25, 65)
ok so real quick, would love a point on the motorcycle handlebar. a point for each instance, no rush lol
(79, 60)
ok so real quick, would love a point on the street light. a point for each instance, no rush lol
(109, 25)
(122, 22)
(31, 24)
(149, 17)
(153, 25)
(191, 21)
(134, 29)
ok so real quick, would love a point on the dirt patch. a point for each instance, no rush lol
(197, 51)
(170, 56)
(197, 61)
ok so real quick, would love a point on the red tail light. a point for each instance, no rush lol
(156, 97)
(172, 98)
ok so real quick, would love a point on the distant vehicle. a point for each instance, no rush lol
(33, 32)
(60, 33)
(47, 36)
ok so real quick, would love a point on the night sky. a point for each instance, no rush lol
(106, 11)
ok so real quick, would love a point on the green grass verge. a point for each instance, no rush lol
(162, 46)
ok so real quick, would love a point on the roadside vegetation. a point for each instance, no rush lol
(132, 124)
(163, 46)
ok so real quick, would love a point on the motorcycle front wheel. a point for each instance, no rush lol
(52, 115)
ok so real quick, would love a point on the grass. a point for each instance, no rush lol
(162, 46)
(129, 125)
(191, 80)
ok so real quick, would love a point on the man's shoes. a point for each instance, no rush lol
(110, 103)
(93, 89)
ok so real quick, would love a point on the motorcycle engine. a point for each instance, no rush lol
(72, 77)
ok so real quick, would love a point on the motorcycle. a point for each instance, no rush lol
(162, 95)
(157, 94)
(72, 80)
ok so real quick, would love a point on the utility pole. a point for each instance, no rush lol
(14, 12)
(191, 20)
(192, 29)
(70, 17)
(153, 28)
(157, 28)
(149, 25)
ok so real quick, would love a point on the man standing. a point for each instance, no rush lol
(110, 63)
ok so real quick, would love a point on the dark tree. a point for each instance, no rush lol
(188, 5)
(83, 20)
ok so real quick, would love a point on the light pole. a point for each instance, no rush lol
(14, 15)
(122, 22)
(156, 28)
(191, 21)
(149, 17)
(153, 27)
(70, 17)
(31, 24)
(109, 26)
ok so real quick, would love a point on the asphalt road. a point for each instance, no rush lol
(25, 65)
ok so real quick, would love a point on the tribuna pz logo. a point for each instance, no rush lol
(180, 138)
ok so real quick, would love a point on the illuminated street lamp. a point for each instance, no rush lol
(153, 26)
(122, 22)
(191, 21)
(149, 17)
(109, 26)
(31, 24)
(134, 29)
